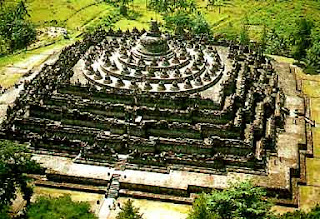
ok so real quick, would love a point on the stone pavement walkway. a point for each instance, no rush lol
(105, 208)
(310, 193)
(34, 64)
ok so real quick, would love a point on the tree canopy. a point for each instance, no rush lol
(59, 208)
(181, 21)
(15, 162)
(241, 200)
(16, 31)
(128, 211)
(172, 5)
(313, 53)
(302, 38)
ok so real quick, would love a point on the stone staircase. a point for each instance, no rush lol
(113, 191)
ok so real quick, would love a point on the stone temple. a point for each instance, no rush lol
(159, 116)
(151, 64)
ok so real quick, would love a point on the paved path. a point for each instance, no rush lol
(310, 193)
(106, 208)
(8, 98)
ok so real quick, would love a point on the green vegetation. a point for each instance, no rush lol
(182, 20)
(313, 52)
(57, 208)
(277, 16)
(70, 14)
(313, 214)
(15, 162)
(26, 58)
(302, 39)
(16, 32)
(242, 200)
(172, 5)
(289, 28)
(128, 211)
(181, 16)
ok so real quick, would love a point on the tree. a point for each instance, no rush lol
(186, 5)
(15, 29)
(302, 38)
(178, 21)
(57, 208)
(277, 43)
(172, 5)
(4, 212)
(218, 3)
(313, 55)
(124, 6)
(129, 211)
(200, 25)
(263, 39)
(200, 208)
(15, 162)
(244, 38)
(241, 200)
(162, 5)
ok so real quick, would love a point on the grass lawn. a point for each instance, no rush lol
(75, 195)
(278, 209)
(311, 88)
(156, 209)
(140, 18)
(316, 142)
(47, 12)
(83, 17)
(25, 59)
(23, 55)
(313, 174)
(280, 15)
(227, 19)
(70, 14)
(282, 59)
(309, 197)
(307, 77)
(7, 80)
(75, 14)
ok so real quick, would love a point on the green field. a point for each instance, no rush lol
(280, 15)
(226, 20)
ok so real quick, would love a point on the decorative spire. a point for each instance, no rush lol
(154, 29)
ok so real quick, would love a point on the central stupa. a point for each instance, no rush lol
(153, 63)
(153, 44)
